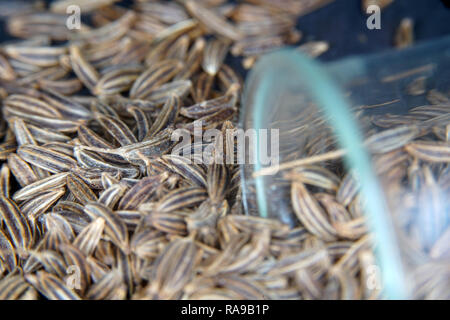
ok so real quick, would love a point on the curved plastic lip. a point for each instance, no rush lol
(334, 105)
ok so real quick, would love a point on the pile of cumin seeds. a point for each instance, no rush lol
(94, 204)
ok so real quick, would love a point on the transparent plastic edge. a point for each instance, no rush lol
(334, 105)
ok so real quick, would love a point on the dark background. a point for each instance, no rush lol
(343, 24)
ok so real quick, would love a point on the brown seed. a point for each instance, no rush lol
(106, 287)
(182, 198)
(89, 237)
(112, 195)
(5, 185)
(178, 88)
(51, 286)
(7, 148)
(60, 6)
(168, 278)
(65, 87)
(117, 80)
(172, 223)
(314, 48)
(167, 116)
(41, 157)
(206, 108)
(18, 105)
(214, 56)
(80, 190)
(347, 189)
(147, 243)
(310, 213)
(212, 21)
(433, 152)
(13, 287)
(29, 25)
(83, 69)
(7, 252)
(404, 36)
(178, 50)
(391, 139)
(36, 206)
(38, 187)
(141, 192)
(77, 261)
(115, 228)
(154, 77)
(6, 71)
(315, 176)
(17, 225)
(38, 56)
(117, 129)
